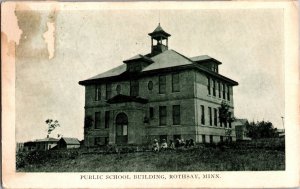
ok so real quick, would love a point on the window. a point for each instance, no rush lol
(162, 84)
(162, 115)
(211, 139)
(219, 88)
(202, 115)
(208, 85)
(97, 120)
(228, 92)
(108, 91)
(175, 82)
(215, 117)
(224, 91)
(210, 116)
(176, 115)
(151, 112)
(98, 93)
(97, 141)
(214, 87)
(107, 116)
(203, 139)
(215, 68)
(136, 67)
(221, 139)
(150, 85)
(134, 88)
(118, 89)
(106, 140)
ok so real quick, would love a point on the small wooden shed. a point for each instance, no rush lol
(68, 143)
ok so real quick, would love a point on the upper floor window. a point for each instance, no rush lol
(214, 87)
(134, 88)
(162, 84)
(162, 115)
(137, 67)
(175, 82)
(151, 112)
(214, 68)
(224, 91)
(176, 115)
(208, 85)
(108, 91)
(210, 116)
(118, 89)
(219, 89)
(228, 92)
(98, 92)
(202, 115)
(97, 120)
(215, 116)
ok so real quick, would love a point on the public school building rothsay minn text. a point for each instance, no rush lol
(162, 95)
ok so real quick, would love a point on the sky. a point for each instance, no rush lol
(248, 42)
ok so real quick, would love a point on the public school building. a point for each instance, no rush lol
(162, 95)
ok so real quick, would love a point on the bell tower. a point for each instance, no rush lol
(159, 40)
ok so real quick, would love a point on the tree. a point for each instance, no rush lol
(224, 114)
(261, 129)
(225, 117)
(52, 124)
(88, 123)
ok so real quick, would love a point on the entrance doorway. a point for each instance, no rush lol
(121, 128)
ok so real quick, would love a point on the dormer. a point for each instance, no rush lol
(207, 62)
(137, 63)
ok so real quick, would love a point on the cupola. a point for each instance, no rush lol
(159, 40)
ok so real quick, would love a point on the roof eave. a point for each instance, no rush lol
(234, 83)
(168, 69)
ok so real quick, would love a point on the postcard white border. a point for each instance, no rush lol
(242, 179)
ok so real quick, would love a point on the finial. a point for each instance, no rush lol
(159, 17)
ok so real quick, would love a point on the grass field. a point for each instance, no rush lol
(196, 159)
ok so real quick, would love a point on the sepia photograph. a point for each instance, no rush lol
(159, 89)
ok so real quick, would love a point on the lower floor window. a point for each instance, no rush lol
(98, 141)
(203, 138)
(211, 139)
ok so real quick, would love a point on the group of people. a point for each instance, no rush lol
(172, 144)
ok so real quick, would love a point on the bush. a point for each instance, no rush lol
(21, 159)
(37, 157)
(40, 157)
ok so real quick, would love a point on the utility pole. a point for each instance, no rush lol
(282, 118)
